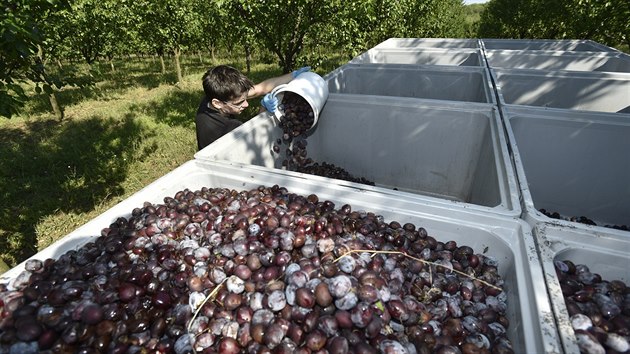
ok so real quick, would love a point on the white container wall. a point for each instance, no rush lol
(572, 163)
(452, 83)
(399, 43)
(603, 253)
(510, 241)
(546, 44)
(545, 60)
(453, 57)
(455, 152)
(603, 92)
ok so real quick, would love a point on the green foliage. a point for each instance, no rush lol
(169, 26)
(281, 26)
(472, 17)
(437, 19)
(20, 62)
(95, 28)
(357, 25)
(602, 21)
(215, 26)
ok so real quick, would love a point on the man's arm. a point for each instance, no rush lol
(266, 86)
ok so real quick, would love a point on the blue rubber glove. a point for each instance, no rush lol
(270, 102)
(300, 70)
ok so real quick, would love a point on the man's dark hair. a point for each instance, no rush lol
(225, 83)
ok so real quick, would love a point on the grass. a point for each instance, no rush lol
(130, 128)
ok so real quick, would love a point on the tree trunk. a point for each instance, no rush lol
(51, 95)
(111, 65)
(285, 63)
(200, 58)
(59, 64)
(178, 67)
(56, 107)
(248, 57)
(214, 58)
(162, 64)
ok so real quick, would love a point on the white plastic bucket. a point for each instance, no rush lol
(309, 86)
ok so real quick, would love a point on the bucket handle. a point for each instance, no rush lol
(277, 115)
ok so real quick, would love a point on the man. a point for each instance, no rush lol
(226, 93)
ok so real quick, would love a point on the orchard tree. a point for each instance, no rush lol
(21, 53)
(345, 31)
(378, 20)
(504, 19)
(382, 19)
(100, 29)
(435, 19)
(148, 17)
(18, 50)
(606, 21)
(120, 36)
(169, 26)
(472, 16)
(362, 24)
(183, 28)
(89, 25)
(215, 26)
(603, 21)
(282, 25)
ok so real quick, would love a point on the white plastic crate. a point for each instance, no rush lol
(509, 241)
(429, 43)
(451, 83)
(586, 91)
(604, 253)
(573, 163)
(449, 152)
(558, 60)
(431, 56)
(577, 45)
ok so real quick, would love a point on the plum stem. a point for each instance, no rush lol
(416, 259)
(211, 295)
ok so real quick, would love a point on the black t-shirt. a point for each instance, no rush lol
(211, 124)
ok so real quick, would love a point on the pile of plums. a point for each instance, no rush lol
(297, 119)
(257, 271)
(599, 310)
(580, 219)
(329, 170)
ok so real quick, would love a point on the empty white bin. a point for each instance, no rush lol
(587, 91)
(429, 43)
(572, 163)
(453, 57)
(452, 83)
(577, 45)
(561, 60)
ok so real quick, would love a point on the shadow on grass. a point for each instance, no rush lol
(104, 87)
(108, 85)
(48, 168)
(177, 108)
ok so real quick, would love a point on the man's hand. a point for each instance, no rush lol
(270, 102)
(300, 70)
